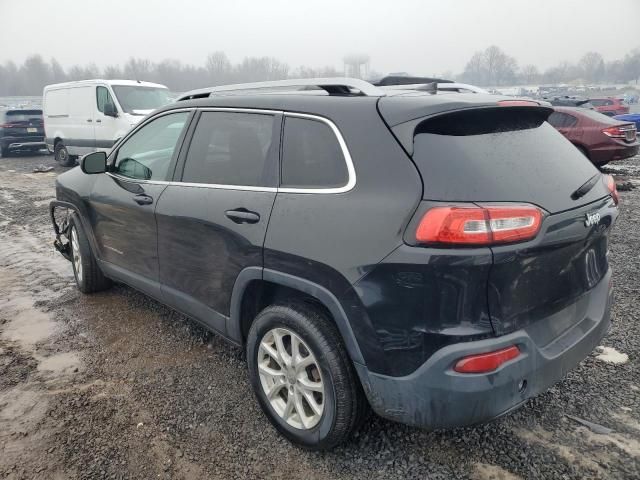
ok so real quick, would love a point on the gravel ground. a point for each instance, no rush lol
(115, 385)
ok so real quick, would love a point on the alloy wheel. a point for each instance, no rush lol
(291, 379)
(75, 250)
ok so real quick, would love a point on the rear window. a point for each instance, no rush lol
(311, 156)
(489, 155)
(562, 120)
(33, 116)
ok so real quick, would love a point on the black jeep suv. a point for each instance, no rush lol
(438, 257)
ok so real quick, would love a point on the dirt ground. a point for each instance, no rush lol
(115, 385)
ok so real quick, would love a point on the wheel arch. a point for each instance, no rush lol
(257, 287)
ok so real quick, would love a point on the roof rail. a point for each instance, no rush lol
(333, 86)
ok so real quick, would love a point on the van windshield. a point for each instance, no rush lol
(138, 100)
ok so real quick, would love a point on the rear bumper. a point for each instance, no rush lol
(16, 143)
(435, 396)
(614, 151)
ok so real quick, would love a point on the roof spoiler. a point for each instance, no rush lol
(407, 80)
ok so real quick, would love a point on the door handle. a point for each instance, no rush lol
(143, 199)
(89, 120)
(242, 215)
(98, 121)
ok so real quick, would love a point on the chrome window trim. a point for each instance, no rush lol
(351, 182)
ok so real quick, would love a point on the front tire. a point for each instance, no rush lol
(89, 277)
(302, 376)
(62, 155)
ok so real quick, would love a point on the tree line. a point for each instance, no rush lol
(32, 76)
(490, 67)
(493, 67)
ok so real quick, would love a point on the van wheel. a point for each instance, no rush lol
(89, 277)
(62, 155)
(302, 376)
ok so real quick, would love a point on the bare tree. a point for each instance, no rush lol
(475, 71)
(529, 74)
(592, 66)
(631, 65)
(218, 68)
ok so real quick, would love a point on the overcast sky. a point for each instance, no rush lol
(421, 37)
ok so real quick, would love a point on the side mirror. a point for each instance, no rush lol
(110, 110)
(93, 163)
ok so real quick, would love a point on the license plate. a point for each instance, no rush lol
(32, 130)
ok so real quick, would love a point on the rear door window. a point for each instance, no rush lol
(311, 156)
(233, 148)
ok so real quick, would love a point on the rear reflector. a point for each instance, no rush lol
(479, 225)
(611, 186)
(486, 362)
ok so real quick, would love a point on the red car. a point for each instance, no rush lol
(610, 106)
(600, 138)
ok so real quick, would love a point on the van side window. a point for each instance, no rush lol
(231, 149)
(103, 97)
(311, 156)
(147, 154)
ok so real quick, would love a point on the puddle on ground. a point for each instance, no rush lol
(60, 364)
(29, 328)
(484, 471)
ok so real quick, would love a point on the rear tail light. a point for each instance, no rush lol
(611, 186)
(620, 131)
(486, 362)
(7, 125)
(479, 225)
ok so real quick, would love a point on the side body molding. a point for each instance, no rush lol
(323, 295)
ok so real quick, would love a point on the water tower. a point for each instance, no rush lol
(356, 65)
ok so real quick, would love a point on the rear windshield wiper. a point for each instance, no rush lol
(585, 187)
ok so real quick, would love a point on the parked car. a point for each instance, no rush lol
(21, 129)
(630, 117)
(610, 106)
(365, 246)
(600, 138)
(569, 101)
(83, 116)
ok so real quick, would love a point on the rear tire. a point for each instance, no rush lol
(89, 277)
(321, 373)
(62, 155)
(5, 152)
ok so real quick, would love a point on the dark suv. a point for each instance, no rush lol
(439, 257)
(21, 129)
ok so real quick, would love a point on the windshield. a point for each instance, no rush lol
(139, 100)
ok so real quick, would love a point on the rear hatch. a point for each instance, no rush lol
(492, 156)
(23, 124)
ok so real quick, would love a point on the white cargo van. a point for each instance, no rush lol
(88, 115)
